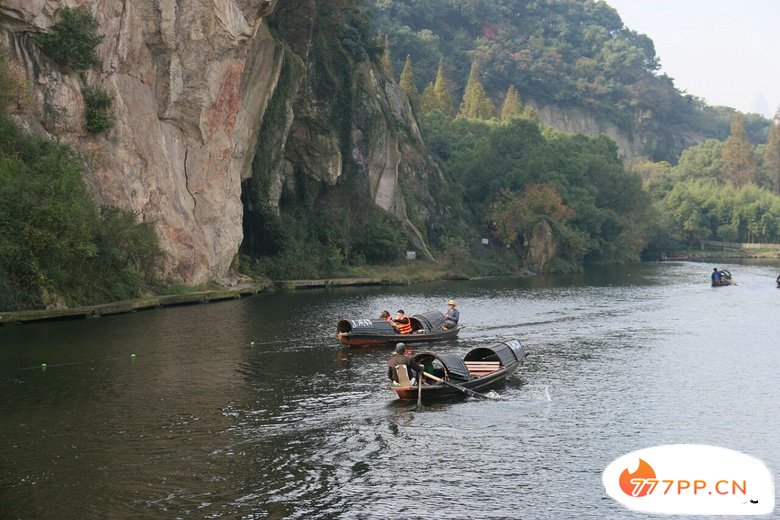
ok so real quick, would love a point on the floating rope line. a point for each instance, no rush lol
(44, 366)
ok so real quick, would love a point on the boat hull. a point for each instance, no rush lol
(356, 339)
(438, 391)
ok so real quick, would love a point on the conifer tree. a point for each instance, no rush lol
(441, 90)
(387, 60)
(428, 99)
(407, 82)
(772, 153)
(739, 160)
(476, 104)
(531, 114)
(511, 107)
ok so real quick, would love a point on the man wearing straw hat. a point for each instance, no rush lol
(452, 316)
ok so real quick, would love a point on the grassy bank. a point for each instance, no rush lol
(398, 274)
(769, 251)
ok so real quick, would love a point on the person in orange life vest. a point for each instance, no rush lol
(402, 323)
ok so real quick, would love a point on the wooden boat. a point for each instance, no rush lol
(479, 370)
(426, 327)
(725, 279)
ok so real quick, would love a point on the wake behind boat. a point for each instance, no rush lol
(480, 369)
(426, 327)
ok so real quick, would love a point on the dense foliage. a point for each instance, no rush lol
(515, 173)
(56, 246)
(563, 52)
(722, 191)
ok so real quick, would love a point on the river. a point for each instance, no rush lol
(251, 409)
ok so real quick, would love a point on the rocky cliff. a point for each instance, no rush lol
(209, 94)
(642, 137)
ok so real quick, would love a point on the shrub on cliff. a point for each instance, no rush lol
(97, 103)
(72, 40)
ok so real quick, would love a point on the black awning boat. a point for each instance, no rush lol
(426, 327)
(478, 370)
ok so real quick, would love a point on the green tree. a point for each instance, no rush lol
(772, 153)
(442, 93)
(739, 160)
(407, 82)
(511, 107)
(54, 239)
(72, 40)
(702, 161)
(476, 104)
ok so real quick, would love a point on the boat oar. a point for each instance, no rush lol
(468, 391)
(419, 394)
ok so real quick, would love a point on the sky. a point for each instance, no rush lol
(726, 52)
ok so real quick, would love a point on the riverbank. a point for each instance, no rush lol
(208, 296)
(718, 250)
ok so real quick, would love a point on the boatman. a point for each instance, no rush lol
(402, 323)
(399, 358)
(451, 317)
(715, 277)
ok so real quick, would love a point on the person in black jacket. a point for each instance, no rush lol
(399, 358)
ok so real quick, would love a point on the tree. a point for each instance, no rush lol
(514, 215)
(772, 153)
(387, 60)
(738, 157)
(428, 99)
(476, 104)
(442, 94)
(407, 81)
(511, 107)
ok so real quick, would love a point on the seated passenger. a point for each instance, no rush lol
(402, 323)
(385, 316)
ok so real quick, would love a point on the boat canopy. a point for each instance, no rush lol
(365, 326)
(428, 321)
(453, 365)
(506, 352)
(425, 322)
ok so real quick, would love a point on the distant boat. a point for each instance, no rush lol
(664, 257)
(480, 369)
(426, 327)
(725, 279)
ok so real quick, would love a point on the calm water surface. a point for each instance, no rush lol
(250, 409)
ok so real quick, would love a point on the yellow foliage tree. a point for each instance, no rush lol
(476, 104)
(772, 153)
(738, 156)
(512, 106)
(407, 82)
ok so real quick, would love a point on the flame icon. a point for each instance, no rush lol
(634, 489)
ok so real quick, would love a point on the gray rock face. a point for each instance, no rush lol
(190, 80)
